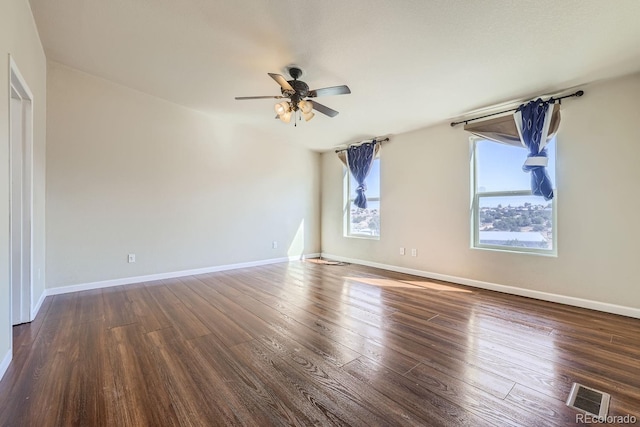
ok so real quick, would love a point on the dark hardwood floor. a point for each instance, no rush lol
(309, 344)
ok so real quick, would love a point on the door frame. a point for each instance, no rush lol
(18, 88)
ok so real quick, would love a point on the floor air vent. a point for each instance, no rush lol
(589, 400)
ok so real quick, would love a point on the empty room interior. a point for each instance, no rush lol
(319, 213)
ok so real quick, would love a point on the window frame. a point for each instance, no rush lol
(348, 200)
(475, 209)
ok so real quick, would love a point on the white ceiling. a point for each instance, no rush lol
(409, 63)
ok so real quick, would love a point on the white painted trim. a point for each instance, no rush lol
(13, 68)
(4, 365)
(513, 290)
(171, 275)
(18, 83)
(36, 308)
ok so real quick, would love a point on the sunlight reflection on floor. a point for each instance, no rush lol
(323, 261)
(415, 284)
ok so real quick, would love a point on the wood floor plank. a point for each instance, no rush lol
(63, 305)
(41, 396)
(358, 336)
(133, 384)
(24, 335)
(458, 351)
(314, 369)
(303, 344)
(91, 306)
(185, 321)
(280, 324)
(233, 387)
(221, 325)
(432, 408)
(118, 308)
(91, 371)
(542, 405)
(537, 356)
(242, 316)
(473, 399)
(179, 316)
(146, 309)
(183, 381)
(315, 402)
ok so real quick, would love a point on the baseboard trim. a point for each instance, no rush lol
(4, 365)
(36, 308)
(171, 275)
(545, 296)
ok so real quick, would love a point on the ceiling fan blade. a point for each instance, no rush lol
(327, 91)
(282, 82)
(240, 98)
(323, 109)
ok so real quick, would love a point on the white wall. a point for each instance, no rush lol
(131, 173)
(19, 38)
(426, 199)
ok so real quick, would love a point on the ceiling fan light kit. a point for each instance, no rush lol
(296, 91)
(285, 117)
(305, 106)
(282, 107)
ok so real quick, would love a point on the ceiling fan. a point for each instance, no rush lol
(296, 91)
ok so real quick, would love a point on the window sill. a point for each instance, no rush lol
(549, 254)
(349, 236)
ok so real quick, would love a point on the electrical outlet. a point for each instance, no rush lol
(132, 258)
(274, 244)
(414, 252)
(402, 251)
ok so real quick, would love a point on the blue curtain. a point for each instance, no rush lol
(360, 159)
(533, 120)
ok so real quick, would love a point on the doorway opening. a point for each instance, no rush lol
(20, 196)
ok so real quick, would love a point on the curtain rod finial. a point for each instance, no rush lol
(579, 93)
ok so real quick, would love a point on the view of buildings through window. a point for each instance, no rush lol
(364, 222)
(505, 213)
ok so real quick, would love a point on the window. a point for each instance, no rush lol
(363, 222)
(505, 214)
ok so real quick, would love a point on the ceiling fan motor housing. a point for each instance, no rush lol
(301, 88)
(301, 91)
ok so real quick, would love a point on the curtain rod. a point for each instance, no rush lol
(377, 140)
(576, 94)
